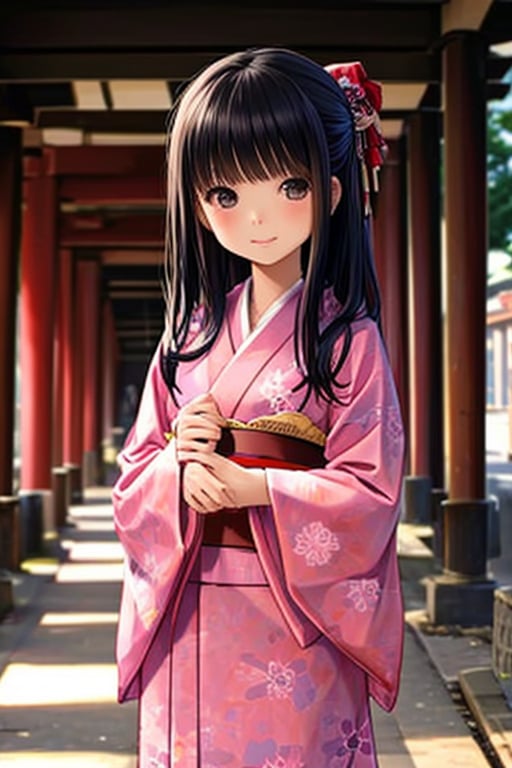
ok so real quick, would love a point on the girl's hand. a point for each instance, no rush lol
(245, 487)
(203, 491)
(198, 425)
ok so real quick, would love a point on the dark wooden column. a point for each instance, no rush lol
(37, 304)
(88, 274)
(37, 318)
(390, 247)
(465, 595)
(426, 365)
(109, 365)
(425, 326)
(67, 339)
(58, 369)
(466, 267)
(72, 429)
(62, 344)
(10, 211)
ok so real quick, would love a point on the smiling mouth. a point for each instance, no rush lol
(264, 242)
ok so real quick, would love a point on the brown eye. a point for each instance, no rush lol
(222, 197)
(295, 189)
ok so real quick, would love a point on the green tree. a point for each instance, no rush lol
(499, 176)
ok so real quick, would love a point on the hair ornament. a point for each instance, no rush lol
(365, 100)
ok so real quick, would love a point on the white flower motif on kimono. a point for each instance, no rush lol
(281, 680)
(292, 760)
(362, 594)
(392, 428)
(155, 762)
(279, 763)
(141, 590)
(316, 543)
(276, 392)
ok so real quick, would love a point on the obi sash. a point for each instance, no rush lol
(255, 448)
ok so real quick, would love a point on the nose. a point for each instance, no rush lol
(256, 217)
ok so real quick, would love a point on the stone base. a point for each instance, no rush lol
(6, 595)
(9, 533)
(455, 600)
(60, 487)
(31, 523)
(417, 503)
(75, 483)
(90, 473)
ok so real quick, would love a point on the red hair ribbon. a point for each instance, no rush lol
(365, 99)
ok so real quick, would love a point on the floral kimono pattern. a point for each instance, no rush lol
(265, 658)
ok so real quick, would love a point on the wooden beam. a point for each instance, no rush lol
(104, 120)
(135, 294)
(107, 190)
(117, 285)
(497, 26)
(132, 231)
(153, 324)
(106, 161)
(176, 26)
(138, 333)
(461, 14)
(498, 66)
(126, 357)
(131, 258)
(382, 63)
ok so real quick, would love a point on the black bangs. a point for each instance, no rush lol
(249, 130)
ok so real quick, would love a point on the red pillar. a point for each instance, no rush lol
(68, 336)
(390, 246)
(37, 317)
(58, 369)
(88, 274)
(464, 594)
(110, 362)
(426, 368)
(72, 422)
(109, 371)
(466, 254)
(10, 208)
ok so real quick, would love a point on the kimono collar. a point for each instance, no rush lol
(269, 312)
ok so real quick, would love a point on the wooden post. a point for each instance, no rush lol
(390, 246)
(10, 212)
(88, 273)
(464, 595)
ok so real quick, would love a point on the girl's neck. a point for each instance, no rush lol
(269, 282)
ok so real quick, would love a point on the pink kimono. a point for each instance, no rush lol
(265, 658)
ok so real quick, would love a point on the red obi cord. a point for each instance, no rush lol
(262, 462)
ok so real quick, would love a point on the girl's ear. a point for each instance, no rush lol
(336, 192)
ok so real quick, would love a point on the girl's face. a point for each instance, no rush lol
(262, 221)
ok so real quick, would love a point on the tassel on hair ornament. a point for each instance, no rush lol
(365, 99)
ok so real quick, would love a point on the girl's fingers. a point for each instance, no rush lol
(204, 405)
(208, 459)
(204, 499)
(201, 457)
(200, 432)
(195, 446)
(204, 488)
(198, 428)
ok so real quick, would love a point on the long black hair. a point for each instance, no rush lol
(251, 116)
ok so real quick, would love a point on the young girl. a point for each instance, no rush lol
(259, 486)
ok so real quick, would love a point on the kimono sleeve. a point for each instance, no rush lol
(336, 525)
(150, 522)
